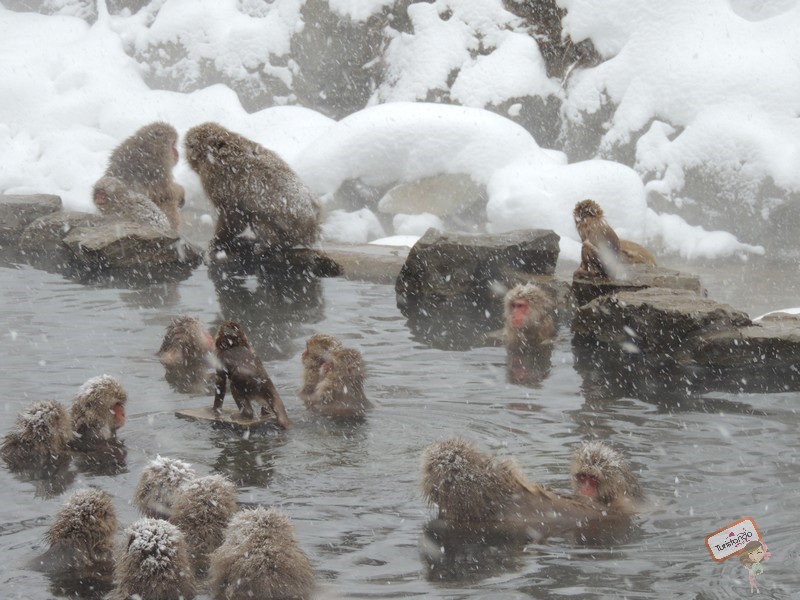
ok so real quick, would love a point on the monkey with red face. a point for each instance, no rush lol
(473, 489)
(530, 319)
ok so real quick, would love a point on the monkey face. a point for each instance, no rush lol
(587, 209)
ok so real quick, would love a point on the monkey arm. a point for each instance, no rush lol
(219, 390)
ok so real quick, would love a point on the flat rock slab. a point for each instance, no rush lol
(229, 417)
(19, 211)
(637, 277)
(769, 343)
(654, 319)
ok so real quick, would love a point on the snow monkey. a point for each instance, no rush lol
(82, 535)
(602, 250)
(601, 473)
(159, 484)
(530, 319)
(333, 378)
(202, 509)
(114, 198)
(154, 563)
(98, 410)
(249, 379)
(186, 353)
(256, 194)
(144, 163)
(260, 558)
(474, 489)
(39, 437)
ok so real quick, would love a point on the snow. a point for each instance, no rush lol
(713, 85)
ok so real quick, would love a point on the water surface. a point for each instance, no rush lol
(352, 489)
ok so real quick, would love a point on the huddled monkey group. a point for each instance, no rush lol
(192, 532)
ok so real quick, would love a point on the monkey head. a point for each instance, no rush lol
(587, 209)
(600, 472)
(466, 484)
(207, 142)
(230, 335)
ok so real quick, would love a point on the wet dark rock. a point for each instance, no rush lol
(252, 258)
(654, 319)
(129, 246)
(764, 356)
(636, 277)
(19, 211)
(452, 271)
(657, 338)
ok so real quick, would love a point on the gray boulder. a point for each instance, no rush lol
(93, 246)
(452, 271)
(661, 339)
(635, 277)
(41, 243)
(653, 319)
(19, 211)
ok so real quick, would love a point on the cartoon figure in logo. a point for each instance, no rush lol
(751, 557)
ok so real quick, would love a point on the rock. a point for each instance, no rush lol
(656, 339)
(19, 211)
(459, 271)
(653, 320)
(637, 277)
(92, 246)
(41, 244)
(759, 357)
(128, 246)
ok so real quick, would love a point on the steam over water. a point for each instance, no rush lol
(352, 489)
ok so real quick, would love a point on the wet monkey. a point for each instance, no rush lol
(530, 317)
(115, 199)
(601, 473)
(248, 378)
(40, 436)
(186, 352)
(98, 410)
(473, 488)
(144, 163)
(260, 558)
(154, 563)
(334, 378)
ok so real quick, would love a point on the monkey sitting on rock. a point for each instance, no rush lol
(260, 201)
(142, 166)
(602, 251)
(249, 380)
